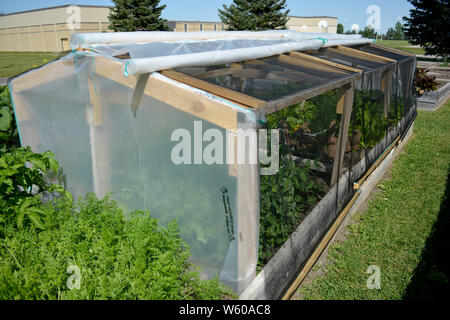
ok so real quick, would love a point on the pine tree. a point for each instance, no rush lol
(340, 28)
(255, 15)
(429, 25)
(137, 15)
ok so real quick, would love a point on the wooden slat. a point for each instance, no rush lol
(323, 61)
(94, 97)
(401, 52)
(341, 101)
(300, 75)
(281, 103)
(306, 64)
(359, 53)
(338, 163)
(215, 89)
(198, 105)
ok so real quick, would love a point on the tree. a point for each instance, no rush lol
(137, 15)
(399, 34)
(428, 26)
(255, 15)
(340, 28)
(368, 32)
(390, 34)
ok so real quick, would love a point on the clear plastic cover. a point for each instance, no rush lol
(75, 108)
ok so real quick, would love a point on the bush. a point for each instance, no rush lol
(8, 129)
(118, 258)
(424, 82)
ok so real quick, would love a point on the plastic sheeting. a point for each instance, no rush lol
(154, 51)
(74, 108)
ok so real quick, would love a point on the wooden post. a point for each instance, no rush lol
(343, 133)
(247, 218)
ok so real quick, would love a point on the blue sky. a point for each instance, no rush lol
(349, 12)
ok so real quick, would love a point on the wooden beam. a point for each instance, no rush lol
(323, 61)
(341, 101)
(386, 82)
(359, 53)
(281, 103)
(193, 103)
(343, 134)
(400, 52)
(215, 89)
(94, 97)
(297, 61)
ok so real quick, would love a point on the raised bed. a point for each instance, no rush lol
(278, 273)
(433, 100)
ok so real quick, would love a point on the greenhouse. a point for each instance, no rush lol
(173, 124)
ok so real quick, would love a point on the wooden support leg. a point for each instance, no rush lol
(343, 133)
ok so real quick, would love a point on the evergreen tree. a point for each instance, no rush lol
(255, 15)
(429, 25)
(340, 28)
(137, 15)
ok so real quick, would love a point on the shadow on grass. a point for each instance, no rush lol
(431, 280)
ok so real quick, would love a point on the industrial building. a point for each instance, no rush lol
(49, 29)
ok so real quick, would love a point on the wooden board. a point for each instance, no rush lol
(323, 61)
(359, 53)
(343, 134)
(302, 63)
(400, 52)
(193, 103)
(215, 89)
(289, 100)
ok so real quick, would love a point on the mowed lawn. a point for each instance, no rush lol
(401, 45)
(405, 230)
(14, 63)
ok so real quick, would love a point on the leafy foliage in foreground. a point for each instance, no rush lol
(118, 258)
(8, 129)
(23, 184)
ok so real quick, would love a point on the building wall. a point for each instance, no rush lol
(46, 29)
(311, 24)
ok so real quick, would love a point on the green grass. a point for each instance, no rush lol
(13, 63)
(401, 44)
(404, 230)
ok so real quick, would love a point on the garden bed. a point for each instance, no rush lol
(433, 100)
(276, 275)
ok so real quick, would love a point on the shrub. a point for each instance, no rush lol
(118, 257)
(8, 129)
(424, 82)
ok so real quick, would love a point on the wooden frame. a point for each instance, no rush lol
(196, 104)
(400, 52)
(223, 92)
(343, 133)
(296, 54)
(359, 53)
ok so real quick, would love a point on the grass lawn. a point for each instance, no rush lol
(13, 63)
(401, 44)
(404, 230)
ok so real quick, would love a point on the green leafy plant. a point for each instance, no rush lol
(23, 183)
(8, 129)
(286, 199)
(118, 257)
